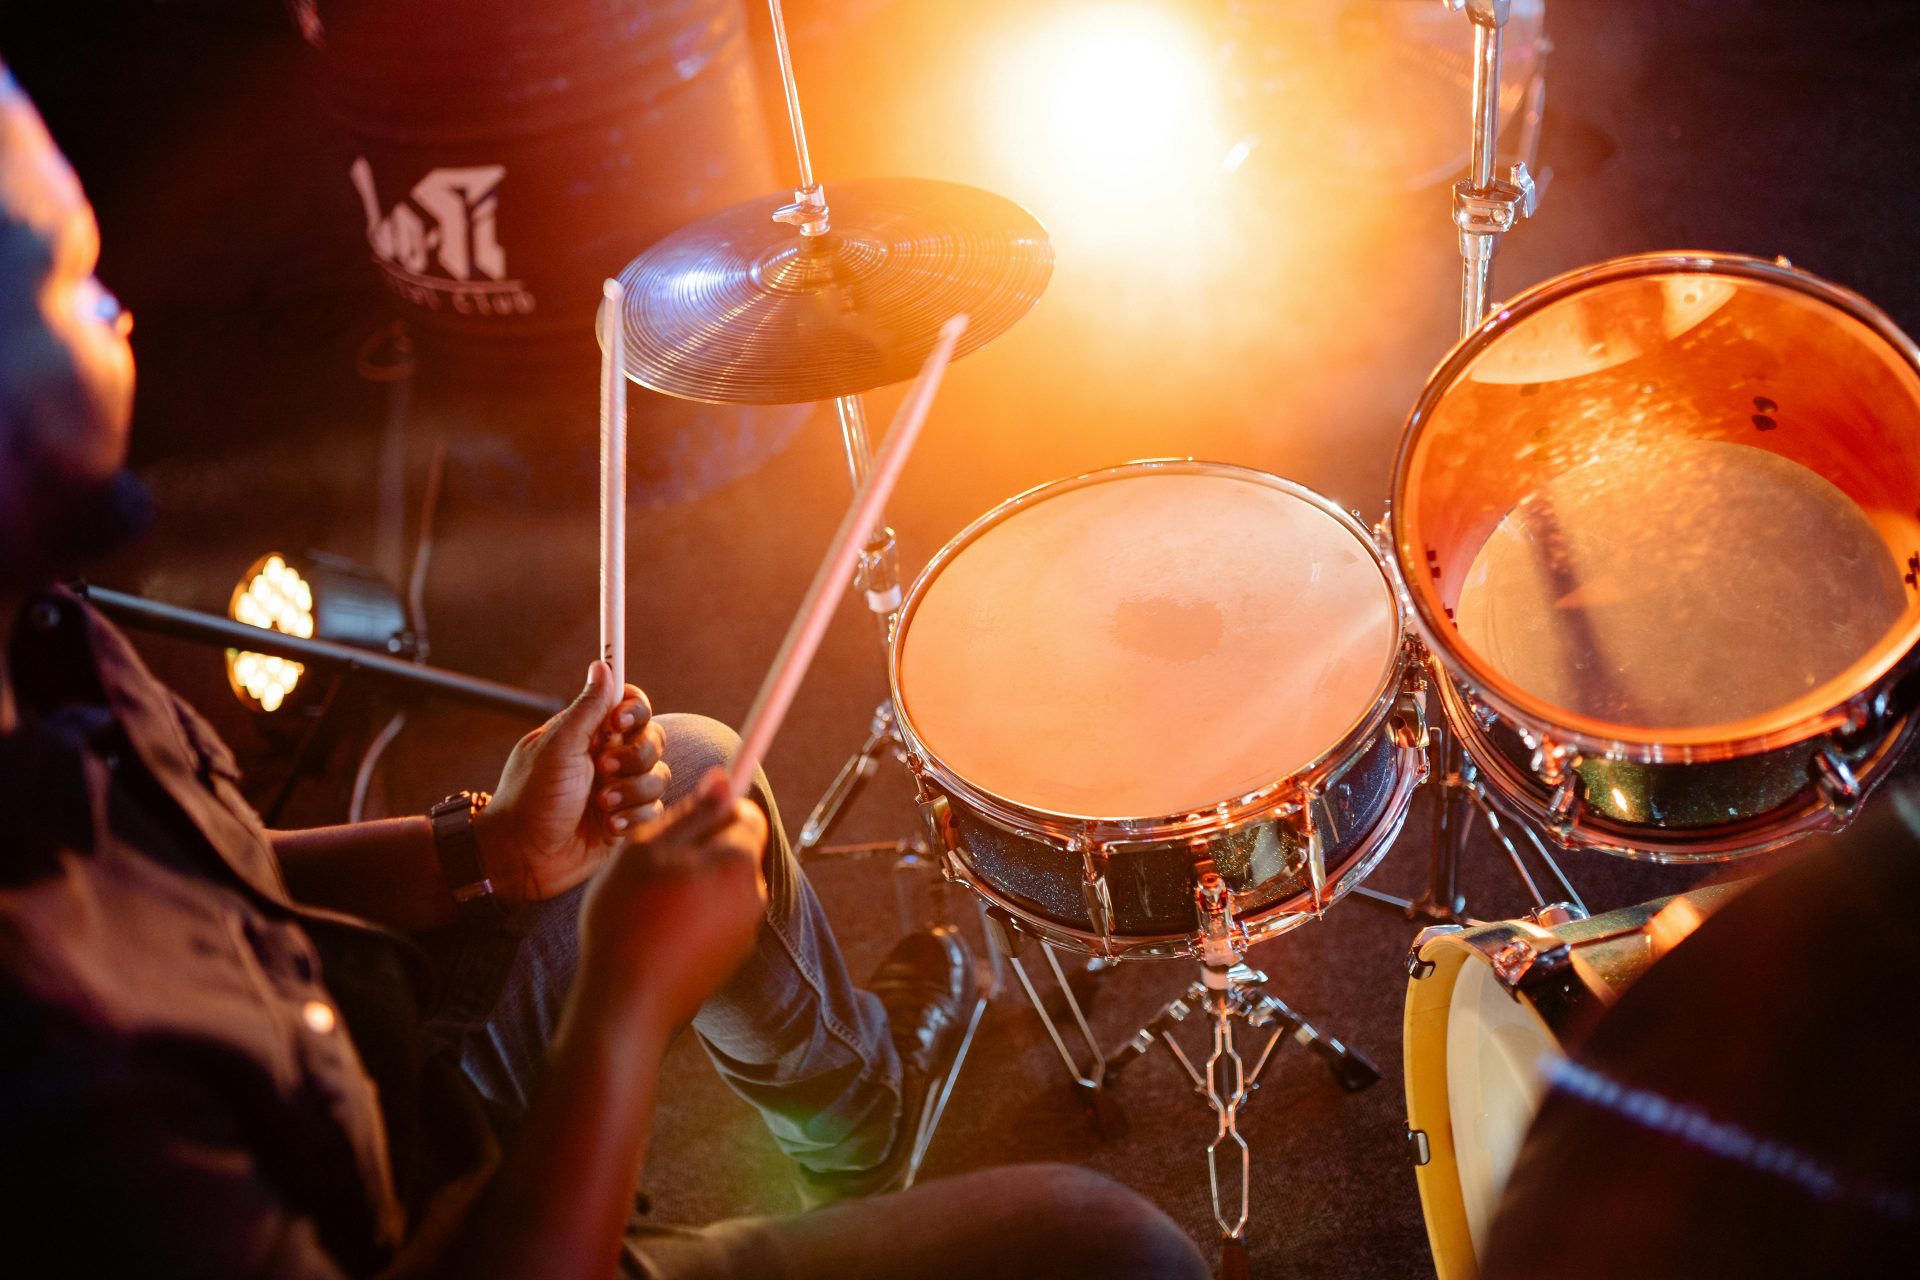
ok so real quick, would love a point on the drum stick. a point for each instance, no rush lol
(830, 582)
(613, 485)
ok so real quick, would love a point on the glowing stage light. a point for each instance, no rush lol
(1106, 121)
(332, 599)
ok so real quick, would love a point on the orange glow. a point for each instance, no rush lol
(1107, 120)
(1672, 925)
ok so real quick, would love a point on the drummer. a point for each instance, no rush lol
(207, 1069)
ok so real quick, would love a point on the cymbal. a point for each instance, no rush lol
(739, 309)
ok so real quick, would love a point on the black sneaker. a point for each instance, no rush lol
(926, 984)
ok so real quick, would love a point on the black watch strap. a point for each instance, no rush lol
(459, 852)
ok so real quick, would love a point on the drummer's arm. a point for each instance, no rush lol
(670, 920)
(566, 795)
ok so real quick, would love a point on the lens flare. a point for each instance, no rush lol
(1107, 122)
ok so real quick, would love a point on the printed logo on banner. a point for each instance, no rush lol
(440, 247)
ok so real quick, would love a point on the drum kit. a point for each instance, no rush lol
(1648, 584)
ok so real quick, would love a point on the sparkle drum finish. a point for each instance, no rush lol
(1112, 679)
(1659, 524)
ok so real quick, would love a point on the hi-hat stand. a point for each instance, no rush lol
(1485, 207)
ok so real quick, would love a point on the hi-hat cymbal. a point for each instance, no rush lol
(739, 309)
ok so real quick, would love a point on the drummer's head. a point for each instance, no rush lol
(66, 371)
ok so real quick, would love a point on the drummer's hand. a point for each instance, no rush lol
(571, 790)
(678, 909)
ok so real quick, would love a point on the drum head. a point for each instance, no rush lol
(1146, 641)
(1495, 1045)
(1669, 501)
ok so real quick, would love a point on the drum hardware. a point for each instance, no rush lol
(1023, 831)
(1487, 1006)
(1485, 208)
(1841, 771)
(1366, 81)
(1229, 991)
(1452, 827)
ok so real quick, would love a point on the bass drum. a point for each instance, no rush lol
(1659, 523)
(1113, 683)
(1485, 1006)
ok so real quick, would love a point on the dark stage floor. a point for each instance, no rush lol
(1762, 127)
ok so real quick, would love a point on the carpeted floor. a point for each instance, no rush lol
(1759, 126)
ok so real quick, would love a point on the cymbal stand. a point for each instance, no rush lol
(1485, 208)
(878, 577)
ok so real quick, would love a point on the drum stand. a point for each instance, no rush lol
(878, 577)
(1485, 208)
(1229, 991)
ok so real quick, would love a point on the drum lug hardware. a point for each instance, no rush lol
(1523, 962)
(1553, 762)
(1511, 962)
(1001, 932)
(1096, 892)
(1409, 721)
(1555, 914)
(1316, 858)
(1866, 717)
(1836, 780)
(1484, 716)
(1418, 968)
(1418, 1149)
(1213, 904)
(940, 823)
(1564, 807)
(1557, 767)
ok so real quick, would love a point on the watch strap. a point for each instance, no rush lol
(456, 847)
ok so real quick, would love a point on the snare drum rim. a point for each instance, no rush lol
(1093, 831)
(1565, 728)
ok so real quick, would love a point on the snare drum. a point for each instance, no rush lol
(1111, 680)
(1484, 1007)
(1659, 522)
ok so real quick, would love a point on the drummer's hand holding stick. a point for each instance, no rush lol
(675, 909)
(595, 773)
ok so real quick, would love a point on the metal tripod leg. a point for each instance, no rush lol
(935, 1104)
(883, 740)
(1459, 797)
(1230, 991)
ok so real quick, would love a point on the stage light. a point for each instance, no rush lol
(1106, 120)
(315, 597)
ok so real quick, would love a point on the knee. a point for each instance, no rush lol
(695, 744)
(1120, 1233)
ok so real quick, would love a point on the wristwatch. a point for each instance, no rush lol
(459, 852)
